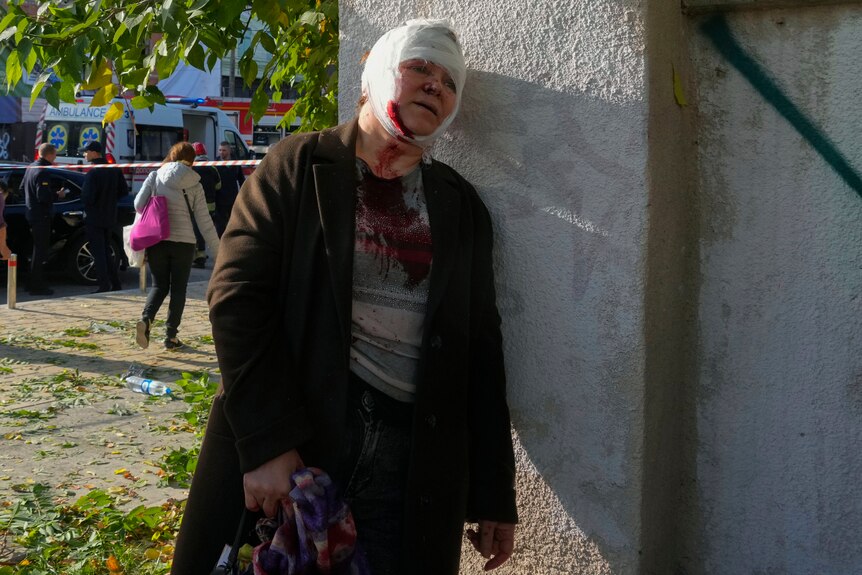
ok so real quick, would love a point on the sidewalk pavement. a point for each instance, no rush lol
(67, 420)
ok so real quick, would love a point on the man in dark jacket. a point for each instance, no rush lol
(102, 188)
(40, 190)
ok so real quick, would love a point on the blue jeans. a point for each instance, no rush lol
(374, 474)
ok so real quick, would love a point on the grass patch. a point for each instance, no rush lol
(90, 536)
(6, 364)
(197, 391)
(76, 332)
(94, 535)
(38, 342)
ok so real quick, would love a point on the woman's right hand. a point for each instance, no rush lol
(268, 484)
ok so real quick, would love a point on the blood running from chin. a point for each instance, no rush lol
(385, 160)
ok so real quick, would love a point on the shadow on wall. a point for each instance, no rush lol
(562, 175)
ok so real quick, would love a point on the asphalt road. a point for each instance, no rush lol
(64, 287)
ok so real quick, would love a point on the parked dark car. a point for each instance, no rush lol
(70, 251)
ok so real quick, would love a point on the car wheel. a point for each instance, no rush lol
(80, 265)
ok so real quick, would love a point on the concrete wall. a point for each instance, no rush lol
(553, 134)
(779, 399)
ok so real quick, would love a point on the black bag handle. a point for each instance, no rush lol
(231, 566)
(189, 206)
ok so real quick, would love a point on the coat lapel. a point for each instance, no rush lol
(335, 185)
(443, 202)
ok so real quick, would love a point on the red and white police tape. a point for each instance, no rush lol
(134, 165)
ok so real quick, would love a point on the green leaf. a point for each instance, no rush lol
(34, 93)
(229, 11)
(212, 41)
(155, 95)
(13, 69)
(52, 95)
(165, 66)
(267, 42)
(311, 18)
(144, 26)
(195, 56)
(212, 60)
(248, 68)
(139, 102)
(134, 78)
(67, 91)
(259, 101)
(121, 29)
(7, 19)
(28, 55)
(91, 19)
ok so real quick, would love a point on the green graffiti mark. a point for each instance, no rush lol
(717, 30)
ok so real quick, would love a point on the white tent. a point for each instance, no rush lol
(188, 81)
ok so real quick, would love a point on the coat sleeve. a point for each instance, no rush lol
(263, 401)
(492, 459)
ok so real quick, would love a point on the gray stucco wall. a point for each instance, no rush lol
(553, 134)
(779, 401)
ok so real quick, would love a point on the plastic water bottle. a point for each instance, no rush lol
(147, 386)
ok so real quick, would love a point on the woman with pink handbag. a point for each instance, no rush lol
(170, 259)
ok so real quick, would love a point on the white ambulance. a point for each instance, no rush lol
(140, 135)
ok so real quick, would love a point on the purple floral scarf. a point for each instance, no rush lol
(314, 533)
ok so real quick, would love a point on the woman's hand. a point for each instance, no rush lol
(495, 541)
(267, 485)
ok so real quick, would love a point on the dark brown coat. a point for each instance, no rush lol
(280, 303)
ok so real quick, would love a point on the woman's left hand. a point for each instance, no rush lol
(495, 541)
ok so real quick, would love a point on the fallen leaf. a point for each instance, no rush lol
(113, 565)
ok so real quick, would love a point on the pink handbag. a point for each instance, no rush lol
(153, 226)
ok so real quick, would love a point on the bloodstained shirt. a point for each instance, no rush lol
(391, 271)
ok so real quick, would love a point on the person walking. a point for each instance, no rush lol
(354, 318)
(40, 191)
(170, 260)
(232, 179)
(101, 190)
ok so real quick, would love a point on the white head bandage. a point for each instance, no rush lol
(430, 40)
